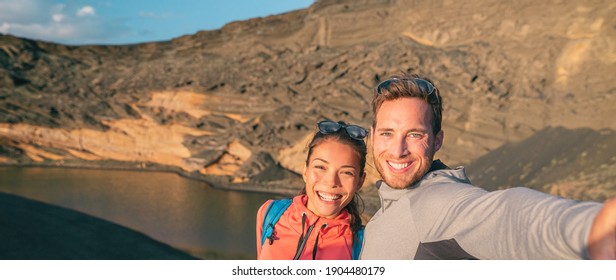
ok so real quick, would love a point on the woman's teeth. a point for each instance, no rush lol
(328, 196)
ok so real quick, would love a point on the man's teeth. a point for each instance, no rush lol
(398, 165)
(330, 197)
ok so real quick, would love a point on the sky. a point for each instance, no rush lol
(113, 22)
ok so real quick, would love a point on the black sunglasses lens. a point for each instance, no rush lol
(329, 127)
(356, 132)
(424, 86)
(383, 86)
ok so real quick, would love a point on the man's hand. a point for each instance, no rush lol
(602, 238)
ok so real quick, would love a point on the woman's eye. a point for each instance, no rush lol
(319, 167)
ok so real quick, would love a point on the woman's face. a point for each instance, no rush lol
(332, 177)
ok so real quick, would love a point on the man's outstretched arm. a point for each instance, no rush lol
(602, 237)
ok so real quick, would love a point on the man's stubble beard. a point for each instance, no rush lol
(399, 182)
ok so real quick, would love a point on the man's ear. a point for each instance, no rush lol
(438, 140)
(361, 181)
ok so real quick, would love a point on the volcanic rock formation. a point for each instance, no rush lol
(528, 88)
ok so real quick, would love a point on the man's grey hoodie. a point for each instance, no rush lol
(444, 217)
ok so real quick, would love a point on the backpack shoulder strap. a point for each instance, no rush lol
(358, 242)
(272, 215)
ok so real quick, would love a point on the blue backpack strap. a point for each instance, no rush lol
(358, 242)
(272, 215)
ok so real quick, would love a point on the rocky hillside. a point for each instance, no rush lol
(528, 88)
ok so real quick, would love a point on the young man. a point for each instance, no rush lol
(429, 211)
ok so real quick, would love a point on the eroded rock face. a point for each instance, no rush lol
(240, 103)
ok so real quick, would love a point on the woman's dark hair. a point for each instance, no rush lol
(359, 146)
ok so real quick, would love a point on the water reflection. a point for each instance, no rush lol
(186, 214)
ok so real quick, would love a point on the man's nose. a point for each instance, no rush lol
(399, 148)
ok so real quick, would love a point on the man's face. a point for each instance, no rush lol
(403, 143)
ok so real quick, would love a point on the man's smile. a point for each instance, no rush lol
(398, 167)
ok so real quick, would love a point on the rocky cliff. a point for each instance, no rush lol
(528, 91)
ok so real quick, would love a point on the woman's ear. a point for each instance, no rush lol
(304, 170)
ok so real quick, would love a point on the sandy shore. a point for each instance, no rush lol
(34, 230)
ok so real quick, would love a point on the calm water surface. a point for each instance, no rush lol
(183, 213)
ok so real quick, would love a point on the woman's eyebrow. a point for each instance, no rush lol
(325, 161)
(320, 159)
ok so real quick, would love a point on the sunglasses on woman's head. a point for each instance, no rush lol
(356, 132)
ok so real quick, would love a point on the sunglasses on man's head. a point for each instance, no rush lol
(424, 86)
(356, 132)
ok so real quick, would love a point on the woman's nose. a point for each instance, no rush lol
(331, 179)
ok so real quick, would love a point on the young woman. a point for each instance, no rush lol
(322, 222)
